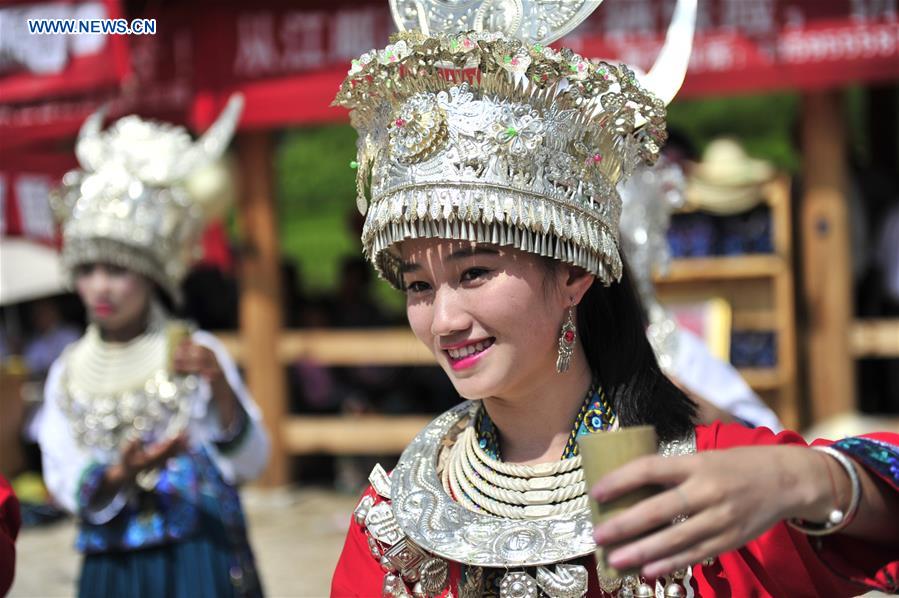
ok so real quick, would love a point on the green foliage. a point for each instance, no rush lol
(857, 123)
(317, 241)
(313, 170)
(316, 191)
(765, 125)
(316, 202)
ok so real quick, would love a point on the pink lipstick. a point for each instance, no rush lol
(464, 355)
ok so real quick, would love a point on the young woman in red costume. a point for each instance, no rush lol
(10, 522)
(492, 163)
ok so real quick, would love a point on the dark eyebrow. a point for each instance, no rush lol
(407, 267)
(459, 254)
(469, 251)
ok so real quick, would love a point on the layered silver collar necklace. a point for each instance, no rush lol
(479, 535)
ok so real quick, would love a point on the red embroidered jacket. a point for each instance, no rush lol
(780, 562)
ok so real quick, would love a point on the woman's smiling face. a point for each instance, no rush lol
(489, 314)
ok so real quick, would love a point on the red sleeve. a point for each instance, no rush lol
(837, 565)
(10, 521)
(358, 573)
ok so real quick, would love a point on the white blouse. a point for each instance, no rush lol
(65, 460)
(719, 382)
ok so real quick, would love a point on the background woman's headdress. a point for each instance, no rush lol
(471, 128)
(132, 203)
(648, 199)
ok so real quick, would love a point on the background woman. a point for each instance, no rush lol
(147, 427)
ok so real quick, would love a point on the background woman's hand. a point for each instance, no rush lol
(731, 496)
(191, 358)
(137, 457)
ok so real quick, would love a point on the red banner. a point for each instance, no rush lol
(753, 46)
(159, 85)
(25, 184)
(741, 46)
(288, 59)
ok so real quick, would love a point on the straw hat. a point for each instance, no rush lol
(727, 180)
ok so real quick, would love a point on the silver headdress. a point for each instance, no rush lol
(129, 203)
(648, 199)
(487, 135)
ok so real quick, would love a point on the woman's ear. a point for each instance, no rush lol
(576, 281)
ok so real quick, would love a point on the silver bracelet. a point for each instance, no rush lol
(838, 519)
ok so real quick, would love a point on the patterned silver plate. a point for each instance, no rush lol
(531, 21)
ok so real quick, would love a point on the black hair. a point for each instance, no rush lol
(612, 330)
(168, 302)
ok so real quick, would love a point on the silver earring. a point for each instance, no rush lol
(567, 337)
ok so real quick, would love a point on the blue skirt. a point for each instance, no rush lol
(205, 566)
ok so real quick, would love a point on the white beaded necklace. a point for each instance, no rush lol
(484, 484)
(113, 392)
(100, 367)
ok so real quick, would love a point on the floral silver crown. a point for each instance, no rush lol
(481, 136)
(128, 204)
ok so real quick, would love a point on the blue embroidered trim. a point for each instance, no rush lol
(88, 484)
(881, 457)
(230, 443)
(190, 487)
(488, 437)
(596, 415)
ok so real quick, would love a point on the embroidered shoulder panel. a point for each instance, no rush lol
(881, 457)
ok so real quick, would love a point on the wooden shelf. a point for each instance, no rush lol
(759, 290)
(347, 347)
(351, 435)
(755, 320)
(875, 338)
(704, 269)
(761, 379)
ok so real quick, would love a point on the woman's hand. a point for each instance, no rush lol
(136, 457)
(191, 358)
(731, 496)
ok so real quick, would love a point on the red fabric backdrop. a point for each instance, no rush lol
(289, 58)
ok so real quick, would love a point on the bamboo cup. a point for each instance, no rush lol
(176, 332)
(603, 453)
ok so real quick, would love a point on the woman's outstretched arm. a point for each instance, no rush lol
(732, 496)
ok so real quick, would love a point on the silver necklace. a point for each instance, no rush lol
(113, 392)
(432, 519)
